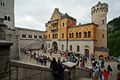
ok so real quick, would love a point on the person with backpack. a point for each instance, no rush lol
(109, 69)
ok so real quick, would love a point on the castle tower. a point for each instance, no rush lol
(99, 17)
(7, 12)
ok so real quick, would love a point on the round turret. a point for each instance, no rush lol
(100, 7)
(99, 14)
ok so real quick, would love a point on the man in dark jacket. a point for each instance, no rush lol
(55, 69)
(61, 70)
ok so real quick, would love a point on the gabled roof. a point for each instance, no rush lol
(69, 17)
(57, 15)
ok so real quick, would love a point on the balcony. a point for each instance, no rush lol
(54, 29)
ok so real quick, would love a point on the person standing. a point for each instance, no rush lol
(105, 74)
(61, 70)
(95, 73)
(100, 74)
(109, 69)
(55, 70)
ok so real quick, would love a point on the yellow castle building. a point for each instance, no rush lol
(63, 34)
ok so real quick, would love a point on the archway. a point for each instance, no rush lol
(54, 46)
(87, 53)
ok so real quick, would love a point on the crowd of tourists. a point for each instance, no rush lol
(42, 59)
(100, 71)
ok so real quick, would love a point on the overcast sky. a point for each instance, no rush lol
(34, 14)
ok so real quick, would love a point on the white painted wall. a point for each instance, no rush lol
(74, 44)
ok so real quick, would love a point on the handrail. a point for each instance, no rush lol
(31, 45)
(21, 64)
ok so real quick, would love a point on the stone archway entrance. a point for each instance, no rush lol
(87, 53)
(54, 46)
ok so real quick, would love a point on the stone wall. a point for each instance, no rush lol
(27, 71)
(4, 56)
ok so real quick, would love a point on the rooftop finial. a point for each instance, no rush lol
(99, 2)
(57, 9)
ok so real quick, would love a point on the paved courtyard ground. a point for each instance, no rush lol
(26, 58)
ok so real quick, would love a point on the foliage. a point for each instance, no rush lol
(113, 27)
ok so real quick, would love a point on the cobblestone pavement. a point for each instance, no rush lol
(26, 58)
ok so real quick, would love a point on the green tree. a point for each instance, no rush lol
(113, 27)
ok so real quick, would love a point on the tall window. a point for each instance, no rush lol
(5, 18)
(69, 35)
(79, 34)
(76, 34)
(102, 35)
(23, 35)
(40, 37)
(2, 3)
(8, 18)
(62, 35)
(71, 47)
(35, 36)
(78, 48)
(62, 47)
(63, 24)
(85, 34)
(30, 36)
(89, 34)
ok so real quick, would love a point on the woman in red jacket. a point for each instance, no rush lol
(105, 74)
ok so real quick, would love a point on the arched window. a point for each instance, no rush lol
(89, 34)
(62, 35)
(5, 18)
(78, 48)
(72, 35)
(76, 34)
(85, 34)
(69, 35)
(62, 47)
(79, 34)
(71, 47)
(2, 4)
